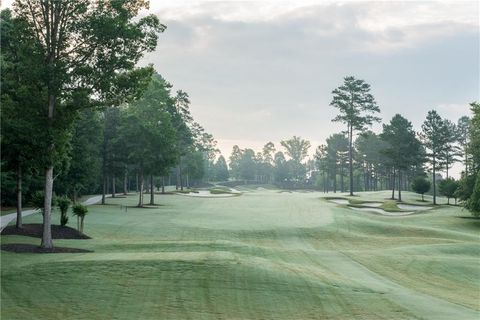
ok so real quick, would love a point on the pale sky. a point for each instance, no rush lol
(259, 71)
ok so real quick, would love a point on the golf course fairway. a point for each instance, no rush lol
(265, 254)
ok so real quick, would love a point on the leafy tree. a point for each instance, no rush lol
(421, 185)
(247, 165)
(281, 169)
(450, 151)
(370, 148)
(463, 129)
(84, 165)
(321, 162)
(221, 169)
(88, 49)
(474, 145)
(297, 149)
(80, 211)
(148, 134)
(194, 167)
(448, 188)
(473, 203)
(434, 135)
(235, 157)
(22, 94)
(63, 204)
(356, 106)
(267, 162)
(337, 148)
(403, 149)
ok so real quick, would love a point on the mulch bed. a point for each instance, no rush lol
(36, 230)
(31, 248)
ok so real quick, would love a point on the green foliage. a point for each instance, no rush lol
(421, 185)
(474, 145)
(80, 211)
(297, 149)
(357, 107)
(38, 200)
(403, 148)
(63, 204)
(473, 203)
(84, 169)
(221, 169)
(355, 103)
(281, 171)
(448, 188)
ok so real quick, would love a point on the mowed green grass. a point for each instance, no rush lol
(261, 255)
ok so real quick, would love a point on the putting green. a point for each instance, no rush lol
(261, 255)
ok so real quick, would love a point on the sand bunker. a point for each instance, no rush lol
(382, 212)
(412, 207)
(207, 194)
(339, 201)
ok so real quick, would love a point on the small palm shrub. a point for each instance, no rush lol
(63, 203)
(80, 211)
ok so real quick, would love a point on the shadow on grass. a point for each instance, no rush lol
(31, 248)
(36, 230)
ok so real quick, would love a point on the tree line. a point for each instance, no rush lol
(79, 116)
(358, 159)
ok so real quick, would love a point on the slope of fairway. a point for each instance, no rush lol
(261, 255)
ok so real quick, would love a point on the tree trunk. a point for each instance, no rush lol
(434, 181)
(181, 177)
(177, 182)
(328, 181)
(125, 182)
(466, 163)
(75, 195)
(104, 164)
(163, 185)
(350, 158)
(447, 164)
(399, 185)
(81, 224)
(393, 184)
(152, 191)
(47, 229)
(104, 189)
(140, 196)
(136, 182)
(19, 197)
(335, 178)
(342, 185)
(48, 190)
(113, 186)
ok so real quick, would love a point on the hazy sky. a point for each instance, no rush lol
(259, 71)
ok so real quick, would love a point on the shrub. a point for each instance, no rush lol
(80, 211)
(63, 203)
(421, 185)
(473, 204)
(448, 188)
